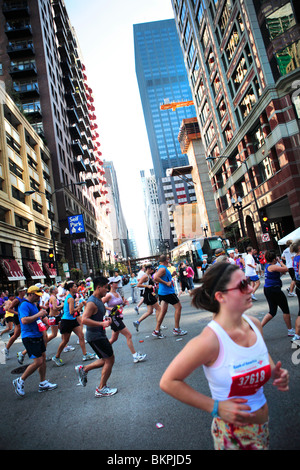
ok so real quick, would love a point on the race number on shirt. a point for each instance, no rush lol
(248, 376)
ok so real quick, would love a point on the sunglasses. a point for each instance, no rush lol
(242, 286)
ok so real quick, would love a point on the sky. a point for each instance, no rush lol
(104, 30)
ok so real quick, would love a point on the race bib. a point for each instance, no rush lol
(248, 376)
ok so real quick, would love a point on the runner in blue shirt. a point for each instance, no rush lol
(166, 294)
(33, 340)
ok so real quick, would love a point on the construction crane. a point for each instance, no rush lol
(175, 105)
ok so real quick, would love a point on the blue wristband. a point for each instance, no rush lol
(214, 412)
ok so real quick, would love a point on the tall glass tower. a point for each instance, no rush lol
(161, 75)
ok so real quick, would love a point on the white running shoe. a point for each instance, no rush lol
(105, 392)
(46, 386)
(138, 357)
(19, 387)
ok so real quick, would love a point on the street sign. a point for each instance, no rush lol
(265, 237)
(76, 226)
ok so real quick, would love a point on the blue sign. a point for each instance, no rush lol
(76, 224)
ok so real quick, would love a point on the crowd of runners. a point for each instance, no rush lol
(237, 403)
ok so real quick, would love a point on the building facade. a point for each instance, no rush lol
(162, 77)
(44, 73)
(243, 59)
(26, 224)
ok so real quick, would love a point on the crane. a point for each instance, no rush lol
(174, 105)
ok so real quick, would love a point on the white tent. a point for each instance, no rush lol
(295, 235)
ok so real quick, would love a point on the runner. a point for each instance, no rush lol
(150, 299)
(288, 257)
(94, 319)
(14, 309)
(273, 292)
(141, 273)
(295, 249)
(236, 363)
(69, 324)
(250, 271)
(166, 294)
(33, 340)
(113, 299)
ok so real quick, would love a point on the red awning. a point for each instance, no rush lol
(49, 271)
(12, 270)
(34, 270)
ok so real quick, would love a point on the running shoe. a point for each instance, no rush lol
(46, 386)
(88, 356)
(253, 297)
(105, 392)
(292, 294)
(295, 338)
(68, 348)
(58, 361)
(157, 334)
(136, 324)
(20, 357)
(179, 332)
(82, 376)
(137, 310)
(291, 332)
(6, 353)
(19, 387)
(138, 357)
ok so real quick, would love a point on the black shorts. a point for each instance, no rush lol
(276, 298)
(292, 274)
(67, 326)
(169, 298)
(117, 324)
(35, 347)
(102, 347)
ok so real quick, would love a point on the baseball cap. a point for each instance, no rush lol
(112, 279)
(21, 289)
(35, 290)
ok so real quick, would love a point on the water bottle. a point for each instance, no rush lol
(41, 325)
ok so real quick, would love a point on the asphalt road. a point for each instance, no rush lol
(71, 418)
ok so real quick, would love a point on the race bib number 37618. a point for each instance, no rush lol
(248, 376)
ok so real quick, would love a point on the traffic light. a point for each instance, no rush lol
(51, 259)
(266, 225)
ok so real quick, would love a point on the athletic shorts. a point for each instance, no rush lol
(102, 347)
(292, 274)
(35, 347)
(117, 324)
(253, 278)
(67, 326)
(169, 298)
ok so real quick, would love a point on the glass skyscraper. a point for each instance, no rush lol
(162, 76)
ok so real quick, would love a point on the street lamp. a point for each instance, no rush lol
(239, 206)
(49, 197)
(252, 188)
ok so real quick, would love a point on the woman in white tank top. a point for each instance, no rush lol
(235, 360)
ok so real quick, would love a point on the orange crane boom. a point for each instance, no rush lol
(174, 105)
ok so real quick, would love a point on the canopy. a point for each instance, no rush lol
(291, 236)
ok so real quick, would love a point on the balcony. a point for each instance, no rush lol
(27, 90)
(20, 51)
(70, 100)
(89, 182)
(74, 132)
(15, 10)
(68, 83)
(17, 31)
(79, 165)
(73, 116)
(96, 194)
(23, 71)
(77, 148)
(32, 109)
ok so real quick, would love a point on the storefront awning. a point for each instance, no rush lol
(12, 270)
(51, 272)
(34, 270)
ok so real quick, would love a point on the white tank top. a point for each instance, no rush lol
(239, 371)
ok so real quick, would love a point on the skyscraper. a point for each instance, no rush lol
(243, 62)
(43, 70)
(161, 76)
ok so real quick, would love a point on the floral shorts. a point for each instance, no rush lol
(230, 437)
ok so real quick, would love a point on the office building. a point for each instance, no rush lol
(44, 73)
(26, 224)
(162, 78)
(242, 59)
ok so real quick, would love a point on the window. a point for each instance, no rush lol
(288, 59)
(240, 73)
(21, 222)
(265, 169)
(232, 43)
(17, 194)
(247, 102)
(15, 169)
(281, 20)
(257, 138)
(225, 15)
